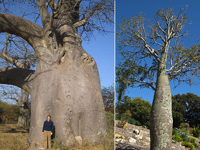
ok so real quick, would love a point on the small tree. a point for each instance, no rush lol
(157, 56)
(108, 98)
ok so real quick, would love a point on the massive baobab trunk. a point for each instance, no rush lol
(69, 91)
(66, 81)
(23, 119)
(161, 113)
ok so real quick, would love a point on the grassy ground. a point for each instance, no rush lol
(13, 137)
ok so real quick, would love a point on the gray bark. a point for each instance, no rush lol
(70, 92)
(161, 113)
(23, 119)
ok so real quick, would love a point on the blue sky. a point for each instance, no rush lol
(102, 49)
(128, 8)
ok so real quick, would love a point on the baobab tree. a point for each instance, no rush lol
(156, 55)
(66, 81)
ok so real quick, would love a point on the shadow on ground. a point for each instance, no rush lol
(12, 128)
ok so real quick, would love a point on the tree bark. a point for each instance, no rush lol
(19, 77)
(70, 92)
(23, 119)
(161, 113)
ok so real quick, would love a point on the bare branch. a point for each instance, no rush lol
(18, 77)
(44, 13)
(84, 20)
(28, 30)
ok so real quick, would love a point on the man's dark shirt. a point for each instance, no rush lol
(48, 126)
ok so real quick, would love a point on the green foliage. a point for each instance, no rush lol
(196, 132)
(192, 140)
(184, 125)
(177, 138)
(183, 133)
(186, 107)
(187, 144)
(139, 108)
(195, 145)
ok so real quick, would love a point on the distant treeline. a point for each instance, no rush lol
(185, 109)
(9, 113)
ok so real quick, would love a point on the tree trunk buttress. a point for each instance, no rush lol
(68, 90)
(23, 119)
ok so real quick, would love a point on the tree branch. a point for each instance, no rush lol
(44, 13)
(26, 29)
(84, 20)
(19, 77)
(11, 60)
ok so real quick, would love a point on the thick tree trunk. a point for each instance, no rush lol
(70, 92)
(23, 119)
(161, 113)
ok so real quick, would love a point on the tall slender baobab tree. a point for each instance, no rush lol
(66, 82)
(156, 56)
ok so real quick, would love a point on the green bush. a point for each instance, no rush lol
(183, 133)
(195, 145)
(196, 132)
(177, 138)
(187, 144)
(192, 140)
(184, 125)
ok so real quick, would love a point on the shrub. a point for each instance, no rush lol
(192, 140)
(183, 133)
(196, 132)
(187, 144)
(177, 138)
(184, 125)
(195, 145)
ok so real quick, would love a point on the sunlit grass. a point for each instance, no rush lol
(17, 139)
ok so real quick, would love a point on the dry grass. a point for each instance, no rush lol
(13, 137)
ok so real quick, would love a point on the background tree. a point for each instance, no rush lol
(139, 108)
(8, 112)
(185, 109)
(108, 98)
(12, 94)
(66, 82)
(16, 52)
(160, 57)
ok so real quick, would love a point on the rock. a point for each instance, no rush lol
(136, 131)
(140, 136)
(120, 140)
(144, 143)
(119, 136)
(79, 139)
(148, 139)
(131, 140)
